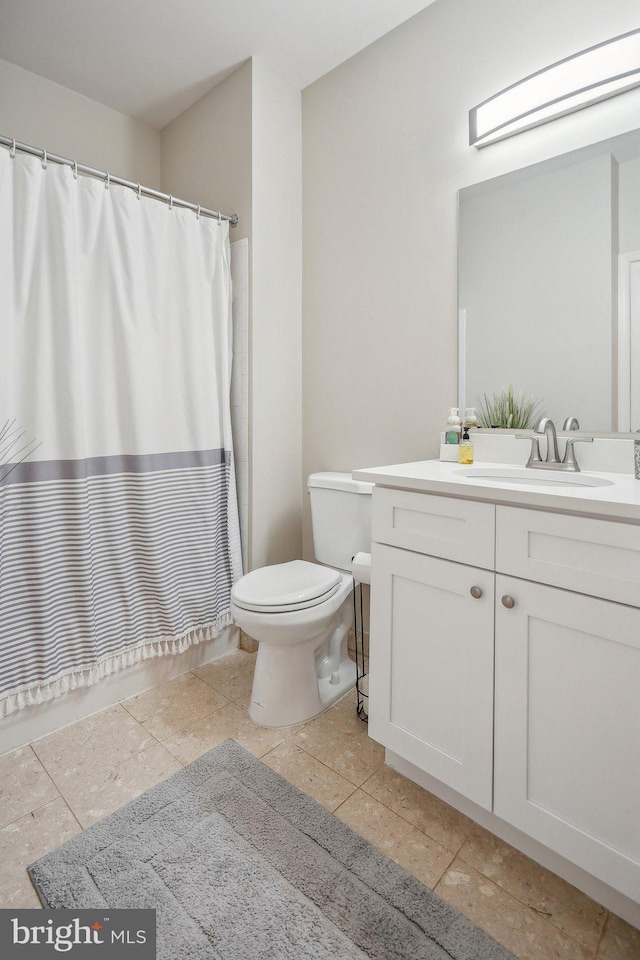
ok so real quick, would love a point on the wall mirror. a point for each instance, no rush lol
(549, 286)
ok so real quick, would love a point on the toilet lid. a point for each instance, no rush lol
(290, 586)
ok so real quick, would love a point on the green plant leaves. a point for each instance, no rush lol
(508, 410)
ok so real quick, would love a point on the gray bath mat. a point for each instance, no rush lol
(243, 866)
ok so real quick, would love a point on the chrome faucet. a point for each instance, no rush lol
(546, 428)
(571, 423)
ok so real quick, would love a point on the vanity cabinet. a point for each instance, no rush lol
(505, 662)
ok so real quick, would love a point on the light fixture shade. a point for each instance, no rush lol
(594, 74)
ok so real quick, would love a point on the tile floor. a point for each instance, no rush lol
(54, 787)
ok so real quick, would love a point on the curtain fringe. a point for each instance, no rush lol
(40, 692)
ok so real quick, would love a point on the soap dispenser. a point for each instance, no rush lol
(452, 433)
(465, 448)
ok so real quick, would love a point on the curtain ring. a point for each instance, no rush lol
(12, 152)
(219, 217)
(198, 212)
(139, 192)
(170, 202)
(107, 182)
(44, 160)
(75, 169)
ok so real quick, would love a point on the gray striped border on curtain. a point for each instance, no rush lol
(100, 558)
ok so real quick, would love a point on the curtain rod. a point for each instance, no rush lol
(108, 178)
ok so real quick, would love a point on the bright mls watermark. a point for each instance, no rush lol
(101, 934)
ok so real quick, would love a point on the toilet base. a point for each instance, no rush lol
(302, 704)
(330, 692)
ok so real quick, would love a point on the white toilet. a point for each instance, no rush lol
(300, 613)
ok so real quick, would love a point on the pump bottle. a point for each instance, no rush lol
(465, 448)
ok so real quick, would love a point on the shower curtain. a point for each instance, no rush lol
(119, 535)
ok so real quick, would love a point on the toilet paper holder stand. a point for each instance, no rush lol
(361, 572)
(362, 680)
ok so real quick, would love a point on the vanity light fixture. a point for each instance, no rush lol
(596, 73)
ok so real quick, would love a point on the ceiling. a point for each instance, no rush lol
(151, 59)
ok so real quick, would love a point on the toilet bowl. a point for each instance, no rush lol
(302, 665)
(301, 613)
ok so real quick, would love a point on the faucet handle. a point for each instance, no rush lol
(534, 456)
(570, 454)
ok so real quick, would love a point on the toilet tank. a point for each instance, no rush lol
(340, 516)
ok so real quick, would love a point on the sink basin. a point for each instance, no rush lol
(532, 477)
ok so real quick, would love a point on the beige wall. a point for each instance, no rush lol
(44, 114)
(206, 151)
(276, 349)
(239, 149)
(385, 149)
(207, 158)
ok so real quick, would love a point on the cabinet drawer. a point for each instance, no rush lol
(446, 527)
(596, 557)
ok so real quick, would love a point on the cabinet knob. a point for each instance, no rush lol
(476, 592)
(508, 602)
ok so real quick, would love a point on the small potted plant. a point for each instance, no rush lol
(508, 410)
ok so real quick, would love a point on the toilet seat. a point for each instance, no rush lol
(284, 587)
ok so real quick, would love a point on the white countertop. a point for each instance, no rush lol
(619, 501)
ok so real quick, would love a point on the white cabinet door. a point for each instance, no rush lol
(567, 726)
(431, 678)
